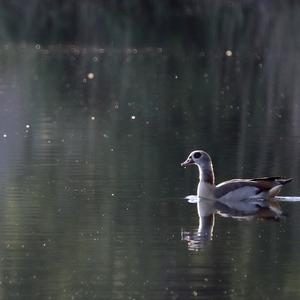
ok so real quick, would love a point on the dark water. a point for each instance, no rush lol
(91, 142)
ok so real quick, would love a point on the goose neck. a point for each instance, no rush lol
(206, 174)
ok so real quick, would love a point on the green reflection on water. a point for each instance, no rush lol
(91, 202)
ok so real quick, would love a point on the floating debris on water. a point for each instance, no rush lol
(132, 117)
(91, 76)
(93, 118)
(228, 53)
(5, 135)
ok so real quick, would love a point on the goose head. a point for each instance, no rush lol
(201, 159)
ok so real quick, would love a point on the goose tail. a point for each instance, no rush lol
(284, 181)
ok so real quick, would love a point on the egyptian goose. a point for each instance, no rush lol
(240, 197)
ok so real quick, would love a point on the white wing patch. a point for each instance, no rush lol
(240, 194)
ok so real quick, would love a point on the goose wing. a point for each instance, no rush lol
(247, 188)
(246, 197)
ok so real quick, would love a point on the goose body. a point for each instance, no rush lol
(244, 197)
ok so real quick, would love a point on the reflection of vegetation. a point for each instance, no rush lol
(122, 245)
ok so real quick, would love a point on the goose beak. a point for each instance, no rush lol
(188, 162)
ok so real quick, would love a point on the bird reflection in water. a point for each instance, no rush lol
(198, 238)
(208, 208)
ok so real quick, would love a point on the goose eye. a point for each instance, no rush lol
(197, 155)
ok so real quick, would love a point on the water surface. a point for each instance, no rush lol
(91, 141)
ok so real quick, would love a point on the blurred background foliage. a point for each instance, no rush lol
(171, 23)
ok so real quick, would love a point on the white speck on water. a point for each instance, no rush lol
(228, 53)
(105, 135)
(5, 135)
(112, 149)
(195, 293)
(112, 194)
(93, 118)
(27, 126)
(91, 76)
(132, 117)
(176, 77)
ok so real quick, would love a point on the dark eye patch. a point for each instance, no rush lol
(197, 155)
